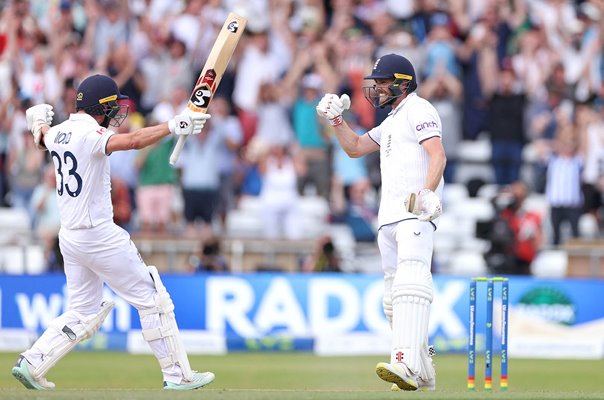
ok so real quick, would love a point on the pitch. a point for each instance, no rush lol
(289, 376)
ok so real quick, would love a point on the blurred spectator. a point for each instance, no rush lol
(507, 102)
(280, 169)
(356, 211)
(264, 54)
(230, 130)
(592, 148)
(44, 203)
(445, 92)
(347, 170)
(247, 172)
(324, 257)
(440, 48)
(199, 164)
(310, 135)
(120, 199)
(108, 25)
(25, 171)
(211, 259)
(273, 122)
(123, 165)
(119, 64)
(516, 235)
(563, 183)
(40, 81)
(478, 49)
(155, 191)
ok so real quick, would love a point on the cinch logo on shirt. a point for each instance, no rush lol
(429, 124)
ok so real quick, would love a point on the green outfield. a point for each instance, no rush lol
(255, 376)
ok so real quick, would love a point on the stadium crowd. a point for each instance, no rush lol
(524, 75)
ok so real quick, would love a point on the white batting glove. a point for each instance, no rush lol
(188, 122)
(37, 117)
(331, 107)
(425, 204)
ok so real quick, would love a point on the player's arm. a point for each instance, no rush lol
(331, 108)
(354, 145)
(437, 161)
(186, 123)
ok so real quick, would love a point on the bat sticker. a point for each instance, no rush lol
(233, 26)
(203, 93)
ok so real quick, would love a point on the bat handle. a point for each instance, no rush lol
(177, 149)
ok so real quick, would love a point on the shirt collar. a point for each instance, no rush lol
(82, 117)
(402, 103)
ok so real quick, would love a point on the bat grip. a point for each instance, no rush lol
(177, 149)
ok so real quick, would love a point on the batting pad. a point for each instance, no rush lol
(161, 331)
(428, 372)
(411, 299)
(387, 299)
(62, 335)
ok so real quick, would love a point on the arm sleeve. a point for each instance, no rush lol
(99, 139)
(375, 134)
(425, 122)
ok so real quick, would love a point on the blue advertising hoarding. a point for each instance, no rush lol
(327, 313)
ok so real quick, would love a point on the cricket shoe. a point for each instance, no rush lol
(424, 386)
(22, 371)
(398, 374)
(200, 379)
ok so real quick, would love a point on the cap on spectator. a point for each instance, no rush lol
(312, 81)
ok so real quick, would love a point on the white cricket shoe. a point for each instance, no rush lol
(398, 374)
(200, 379)
(22, 371)
(424, 386)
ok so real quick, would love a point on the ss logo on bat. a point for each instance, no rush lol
(201, 96)
(233, 26)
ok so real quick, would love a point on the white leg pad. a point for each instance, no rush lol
(411, 298)
(428, 372)
(63, 334)
(168, 329)
(387, 299)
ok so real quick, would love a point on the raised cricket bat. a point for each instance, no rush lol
(212, 71)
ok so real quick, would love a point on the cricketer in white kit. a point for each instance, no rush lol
(412, 161)
(94, 249)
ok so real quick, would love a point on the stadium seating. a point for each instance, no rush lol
(550, 264)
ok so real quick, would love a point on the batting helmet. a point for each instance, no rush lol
(397, 68)
(98, 95)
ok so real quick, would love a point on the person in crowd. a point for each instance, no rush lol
(516, 234)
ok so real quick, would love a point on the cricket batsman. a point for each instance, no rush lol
(94, 249)
(412, 161)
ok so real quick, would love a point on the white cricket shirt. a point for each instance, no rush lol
(403, 161)
(77, 148)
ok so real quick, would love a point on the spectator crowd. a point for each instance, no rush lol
(525, 75)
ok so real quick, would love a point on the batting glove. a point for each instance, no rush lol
(331, 108)
(188, 122)
(37, 117)
(425, 204)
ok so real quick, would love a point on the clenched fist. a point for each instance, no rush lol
(331, 107)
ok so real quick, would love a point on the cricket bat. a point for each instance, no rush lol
(212, 71)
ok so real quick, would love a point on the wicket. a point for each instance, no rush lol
(488, 356)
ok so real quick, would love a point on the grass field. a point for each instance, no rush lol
(256, 376)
